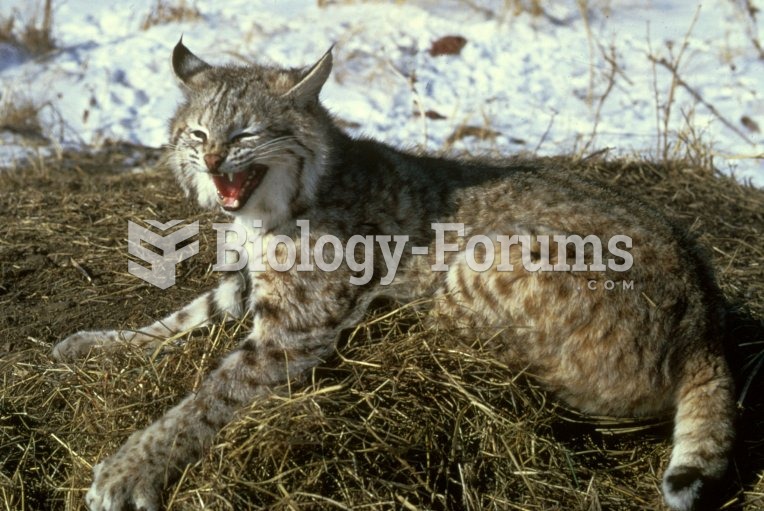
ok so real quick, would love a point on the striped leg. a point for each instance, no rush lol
(228, 299)
(151, 458)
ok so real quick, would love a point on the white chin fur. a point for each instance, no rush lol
(206, 193)
(271, 201)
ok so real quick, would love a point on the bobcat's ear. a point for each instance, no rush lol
(307, 89)
(186, 65)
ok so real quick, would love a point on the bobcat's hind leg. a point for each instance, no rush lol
(703, 431)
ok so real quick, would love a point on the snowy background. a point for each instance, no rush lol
(571, 80)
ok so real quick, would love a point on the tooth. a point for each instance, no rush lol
(230, 176)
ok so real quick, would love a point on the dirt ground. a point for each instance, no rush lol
(404, 418)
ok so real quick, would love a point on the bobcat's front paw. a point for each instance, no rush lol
(78, 345)
(126, 480)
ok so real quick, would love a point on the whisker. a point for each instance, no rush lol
(273, 150)
(278, 140)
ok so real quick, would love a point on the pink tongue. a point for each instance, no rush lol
(230, 189)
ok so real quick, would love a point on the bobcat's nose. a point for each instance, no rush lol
(213, 161)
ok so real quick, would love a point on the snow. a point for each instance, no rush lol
(535, 80)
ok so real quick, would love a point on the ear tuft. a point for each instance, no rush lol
(185, 64)
(307, 89)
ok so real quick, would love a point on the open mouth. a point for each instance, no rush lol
(235, 188)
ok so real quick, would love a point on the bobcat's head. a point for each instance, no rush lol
(251, 139)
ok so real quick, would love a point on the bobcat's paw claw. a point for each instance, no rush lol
(123, 482)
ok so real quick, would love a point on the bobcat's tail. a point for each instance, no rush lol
(703, 430)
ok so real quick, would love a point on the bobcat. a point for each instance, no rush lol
(256, 142)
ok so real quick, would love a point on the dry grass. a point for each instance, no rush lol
(403, 418)
(21, 116)
(167, 11)
(35, 37)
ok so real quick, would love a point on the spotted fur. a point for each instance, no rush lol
(648, 350)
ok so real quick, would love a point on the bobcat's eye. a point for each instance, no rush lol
(199, 135)
(244, 135)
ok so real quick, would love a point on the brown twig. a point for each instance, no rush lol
(695, 94)
(611, 59)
